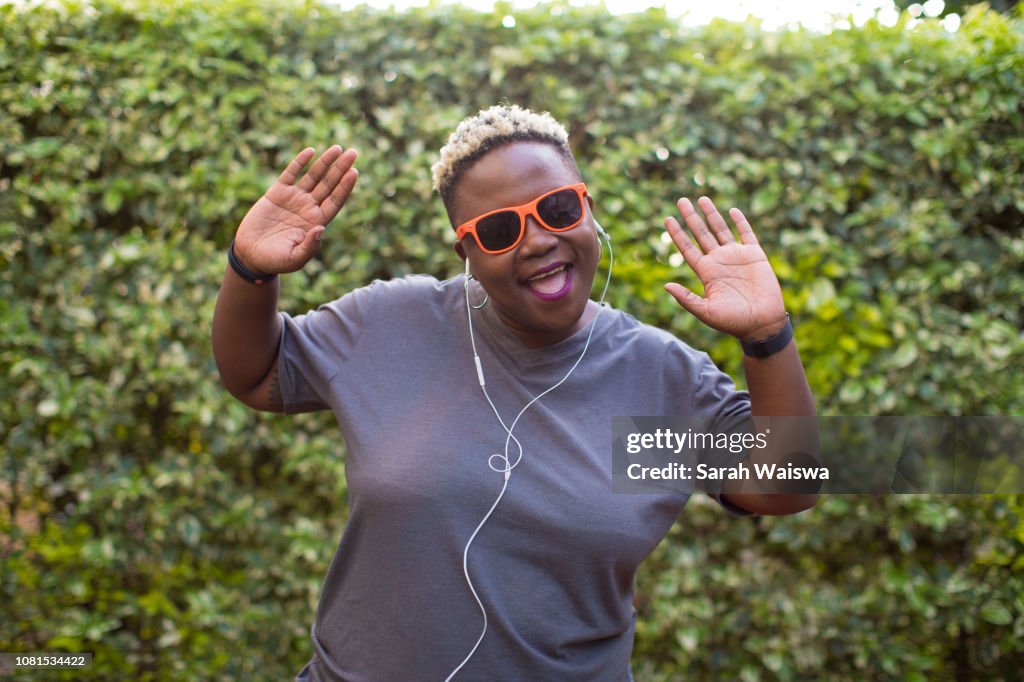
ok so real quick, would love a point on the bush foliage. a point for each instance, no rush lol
(150, 519)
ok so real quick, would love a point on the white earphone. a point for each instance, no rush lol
(505, 465)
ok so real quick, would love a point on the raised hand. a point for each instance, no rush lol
(282, 230)
(742, 296)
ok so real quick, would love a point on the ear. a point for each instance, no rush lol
(459, 250)
(590, 203)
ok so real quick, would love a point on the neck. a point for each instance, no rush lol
(533, 338)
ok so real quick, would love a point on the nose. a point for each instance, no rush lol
(537, 240)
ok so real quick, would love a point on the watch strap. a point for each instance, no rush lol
(244, 272)
(771, 345)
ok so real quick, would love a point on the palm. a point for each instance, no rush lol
(281, 230)
(742, 296)
(277, 224)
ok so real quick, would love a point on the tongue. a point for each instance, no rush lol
(551, 284)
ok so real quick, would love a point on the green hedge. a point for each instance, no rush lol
(152, 520)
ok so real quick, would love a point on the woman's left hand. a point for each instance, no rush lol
(742, 296)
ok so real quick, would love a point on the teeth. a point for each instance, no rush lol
(550, 282)
(547, 274)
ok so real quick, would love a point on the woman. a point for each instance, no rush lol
(484, 541)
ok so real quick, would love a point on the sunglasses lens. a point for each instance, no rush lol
(498, 231)
(561, 210)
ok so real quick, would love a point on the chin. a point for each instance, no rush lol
(566, 320)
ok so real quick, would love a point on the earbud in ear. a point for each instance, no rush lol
(601, 233)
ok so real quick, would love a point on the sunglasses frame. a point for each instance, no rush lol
(523, 211)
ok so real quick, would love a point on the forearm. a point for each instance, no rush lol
(778, 388)
(246, 334)
(778, 385)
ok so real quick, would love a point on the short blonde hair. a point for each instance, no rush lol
(489, 129)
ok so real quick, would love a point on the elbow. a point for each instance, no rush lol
(774, 504)
(264, 395)
(799, 503)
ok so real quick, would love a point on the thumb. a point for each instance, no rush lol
(691, 302)
(310, 244)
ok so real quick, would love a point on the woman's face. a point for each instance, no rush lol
(541, 287)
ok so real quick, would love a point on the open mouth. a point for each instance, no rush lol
(551, 285)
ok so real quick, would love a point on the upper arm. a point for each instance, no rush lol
(321, 352)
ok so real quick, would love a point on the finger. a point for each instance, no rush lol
(723, 235)
(747, 235)
(691, 302)
(691, 254)
(319, 168)
(696, 224)
(310, 244)
(332, 204)
(291, 172)
(337, 170)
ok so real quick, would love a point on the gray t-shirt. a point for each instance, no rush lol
(554, 565)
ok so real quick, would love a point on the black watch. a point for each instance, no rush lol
(772, 345)
(244, 272)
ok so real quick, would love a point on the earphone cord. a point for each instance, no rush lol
(509, 466)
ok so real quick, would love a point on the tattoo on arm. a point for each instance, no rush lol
(275, 397)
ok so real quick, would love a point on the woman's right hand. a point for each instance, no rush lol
(282, 231)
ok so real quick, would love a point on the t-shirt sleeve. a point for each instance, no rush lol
(717, 398)
(316, 346)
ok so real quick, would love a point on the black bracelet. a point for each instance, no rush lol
(770, 346)
(244, 272)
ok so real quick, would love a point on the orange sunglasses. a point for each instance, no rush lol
(500, 230)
